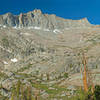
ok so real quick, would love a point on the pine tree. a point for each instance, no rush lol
(29, 95)
(22, 93)
(18, 89)
(13, 94)
(48, 76)
(32, 98)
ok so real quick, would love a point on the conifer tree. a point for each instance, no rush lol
(18, 89)
(29, 95)
(22, 93)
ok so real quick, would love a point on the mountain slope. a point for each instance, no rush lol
(39, 45)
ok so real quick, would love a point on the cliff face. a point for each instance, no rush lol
(37, 19)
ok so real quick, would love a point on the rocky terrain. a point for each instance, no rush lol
(47, 50)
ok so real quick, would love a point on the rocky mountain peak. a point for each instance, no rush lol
(84, 20)
(37, 11)
(37, 19)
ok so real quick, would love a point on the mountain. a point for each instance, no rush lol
(37, 19)
(35, 37)
(46, 51)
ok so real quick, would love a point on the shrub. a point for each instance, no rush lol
(66, 75)
(97, 92)
(5, 42)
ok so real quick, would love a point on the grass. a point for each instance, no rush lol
(52, 92)
(3, 75)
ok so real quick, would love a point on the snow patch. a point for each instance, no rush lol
(38, 28)
(14, 60)
(30, 27)
(4, 26)
(56, 31)
(15, 27)
(24, 33)
(5, 62)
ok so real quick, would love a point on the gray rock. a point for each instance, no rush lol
(45, 95)
(37, 19)
(71, 88)
(4, 92)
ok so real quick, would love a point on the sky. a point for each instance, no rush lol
(69, 9)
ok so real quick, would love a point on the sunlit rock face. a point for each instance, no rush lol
(37, 19)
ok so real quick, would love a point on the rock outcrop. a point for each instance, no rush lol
(37, 19)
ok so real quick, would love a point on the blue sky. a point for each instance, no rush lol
(69, 9)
